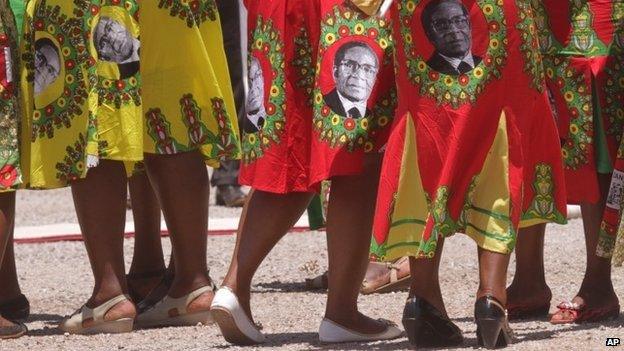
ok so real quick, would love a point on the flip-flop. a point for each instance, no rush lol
(581, 314)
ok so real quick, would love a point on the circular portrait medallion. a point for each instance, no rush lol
(454, 48)
(265, 105)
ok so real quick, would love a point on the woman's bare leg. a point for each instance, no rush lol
(493, 275)
(181, 185)
(100, 201)
(258, 233)
(597, 288)
(349, 229)
(529, 287)
(427, 270)
(8, 271)
(7, 220)
(148, 263)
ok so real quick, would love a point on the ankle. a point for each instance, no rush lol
(498, 294)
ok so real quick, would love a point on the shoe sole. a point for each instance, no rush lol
(399, 285)
(186, 320)
(119, 326)
(229, 329)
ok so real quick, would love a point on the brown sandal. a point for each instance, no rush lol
(397, 277)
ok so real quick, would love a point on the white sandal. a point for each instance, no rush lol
(172, 312)
(74, 324)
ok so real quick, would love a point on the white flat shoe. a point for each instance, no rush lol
(332, 332)
(233, 321)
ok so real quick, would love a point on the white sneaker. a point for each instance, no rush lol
(331, 332)
(232, 319)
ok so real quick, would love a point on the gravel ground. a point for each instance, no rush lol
(59, 208)
(57, 280)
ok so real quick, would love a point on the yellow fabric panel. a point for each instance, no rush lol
(492, 194)
(178, 60)
(41, 156)
(369, 7)
(119, 129)
(410, 208)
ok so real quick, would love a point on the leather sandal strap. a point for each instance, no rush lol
(98, 313)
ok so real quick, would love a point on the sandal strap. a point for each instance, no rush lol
(98, 313)
(570, 306)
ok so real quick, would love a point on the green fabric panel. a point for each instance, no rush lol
(604, 165)
(315, 213)
(18, 7)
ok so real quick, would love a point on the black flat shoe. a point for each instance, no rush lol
(425, 326)
(493, 329)
(17, 309)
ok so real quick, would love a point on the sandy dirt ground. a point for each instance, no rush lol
(57, 280)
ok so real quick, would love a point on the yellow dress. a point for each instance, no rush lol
(187, 98)
(85, 96)
(80, 85)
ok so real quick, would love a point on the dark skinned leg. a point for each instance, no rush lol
(100, 201)
(493, 275)
(349, 229)
(597, 288)
(181, 185)
(8, 272)
(427, 270)
(148, 264)
(529, 287)
(259, 233)
(7, 218)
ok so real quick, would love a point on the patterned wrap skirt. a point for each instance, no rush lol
(321, 96)
(86, 97)
(10, 170)
(474, 148)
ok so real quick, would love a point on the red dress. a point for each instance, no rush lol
(310, 116)
(355, 92)
(276, 132)
(582, 45)
(474, 148)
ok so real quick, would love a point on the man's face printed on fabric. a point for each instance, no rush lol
(47, 65)
(113, 41)
(355, 73)
(449, 29)
(255, 96)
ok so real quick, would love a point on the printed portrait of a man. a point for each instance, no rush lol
(256, 112)
(448, 27)
(114, 43)
(47, 64)
(355, 72)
